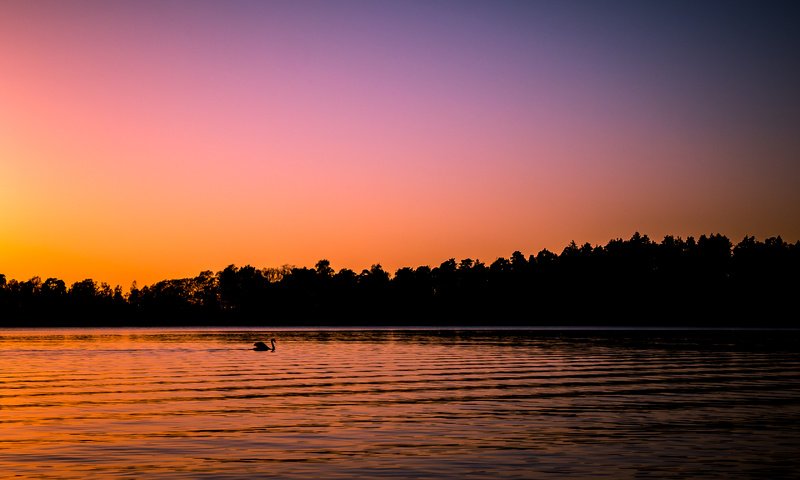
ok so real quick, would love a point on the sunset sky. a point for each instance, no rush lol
(143, 140)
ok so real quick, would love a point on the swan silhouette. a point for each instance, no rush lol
(262, 347)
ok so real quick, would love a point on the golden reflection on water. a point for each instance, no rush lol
(201, 403)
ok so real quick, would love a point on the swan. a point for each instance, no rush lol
(261, 346)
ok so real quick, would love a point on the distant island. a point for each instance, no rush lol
(703, 282)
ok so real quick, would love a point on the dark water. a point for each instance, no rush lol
(423, 404)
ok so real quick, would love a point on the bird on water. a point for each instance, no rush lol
(262, 347)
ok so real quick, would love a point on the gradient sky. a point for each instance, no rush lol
(144, 140)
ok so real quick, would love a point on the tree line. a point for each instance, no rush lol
(693, 282)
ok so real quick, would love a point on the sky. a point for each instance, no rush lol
(146, 140)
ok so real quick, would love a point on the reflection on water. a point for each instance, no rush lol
(494, 404)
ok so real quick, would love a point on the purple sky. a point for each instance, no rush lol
(153, 139)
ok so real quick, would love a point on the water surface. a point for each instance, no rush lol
(180, 403)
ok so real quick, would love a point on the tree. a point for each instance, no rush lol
(323, 268)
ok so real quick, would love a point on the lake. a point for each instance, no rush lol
(199, 403)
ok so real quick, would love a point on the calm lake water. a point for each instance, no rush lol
(175, 403)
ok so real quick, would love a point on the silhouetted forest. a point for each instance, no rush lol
(694, 282)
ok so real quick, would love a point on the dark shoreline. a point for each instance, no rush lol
(705, 283)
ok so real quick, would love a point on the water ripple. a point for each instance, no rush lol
(406, 404)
